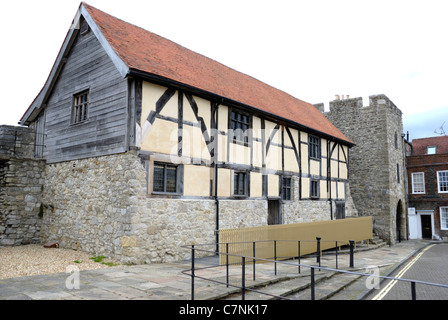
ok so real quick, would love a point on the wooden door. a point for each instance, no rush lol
(274, 212)
(426, 226)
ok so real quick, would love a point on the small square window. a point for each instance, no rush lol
(165, 178)
(80, 107)
(431, 150)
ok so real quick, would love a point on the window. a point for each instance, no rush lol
(286, 188)
(80, 107)
(240, 127)
(240, 184)
(314, 147)
(442, 181)
(431, 150)
(314, 191)
(444, 218)
(418, 182)
(165, 178)
(398, 173)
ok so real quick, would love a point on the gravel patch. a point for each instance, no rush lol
(31, 260)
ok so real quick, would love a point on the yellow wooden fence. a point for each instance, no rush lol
(284, 238)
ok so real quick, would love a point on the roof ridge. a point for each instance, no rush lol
(195, 52)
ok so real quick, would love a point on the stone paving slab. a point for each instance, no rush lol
(167, 282)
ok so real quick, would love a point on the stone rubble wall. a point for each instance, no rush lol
(21, 182)
(100, 205)
(374, 186)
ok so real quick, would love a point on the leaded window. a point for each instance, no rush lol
(314, 147)
(165, 178)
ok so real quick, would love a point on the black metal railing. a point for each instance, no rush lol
(245, 260)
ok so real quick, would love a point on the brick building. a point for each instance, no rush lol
(428, 188)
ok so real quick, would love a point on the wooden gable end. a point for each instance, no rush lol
(103, 126)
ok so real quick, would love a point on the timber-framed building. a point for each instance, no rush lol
(149, 146)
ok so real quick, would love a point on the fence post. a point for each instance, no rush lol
(318, 250)
(254, 261)
(414, 294)
(227, 264)
(243, 278)
(352, 244)
(275, 256)
(312, 284)
(192, 272)
(299, 255)
(336, 254)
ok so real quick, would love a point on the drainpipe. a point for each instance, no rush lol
(215, 154)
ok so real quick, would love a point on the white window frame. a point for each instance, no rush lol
(439, 180)
(431, 150)
(443, 218)
(413, 183)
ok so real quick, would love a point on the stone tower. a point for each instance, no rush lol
(377, 163)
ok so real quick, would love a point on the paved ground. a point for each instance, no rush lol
(428, 266)
(168, 282)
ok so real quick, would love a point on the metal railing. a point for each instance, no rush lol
(246, 260)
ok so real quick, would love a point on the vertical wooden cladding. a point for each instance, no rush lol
(178, 125)
(87, 67)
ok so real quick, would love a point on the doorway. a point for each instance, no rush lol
(274, 212)
(426, 226)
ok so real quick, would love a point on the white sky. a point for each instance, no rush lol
(312, 50)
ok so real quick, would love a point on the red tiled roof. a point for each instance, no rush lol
(147, 52)
(420, 146)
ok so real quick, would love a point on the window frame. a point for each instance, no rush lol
(443, 220)
(244, 138)
(314, 147)
(433, 150)
(286, 188)
(315, 195)
(445, 181)
(236, 186)
(413, 175)
(80, 109)
(165, 178)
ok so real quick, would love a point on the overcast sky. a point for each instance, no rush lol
(312, 50)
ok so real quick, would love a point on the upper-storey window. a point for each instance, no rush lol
(80, 109)
(431, 150)
(442, 181)
(240, 125)
(314, 147)
(418, 182)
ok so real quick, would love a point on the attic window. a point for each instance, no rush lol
(431, 150)
(80, 107)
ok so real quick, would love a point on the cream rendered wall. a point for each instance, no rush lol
(273, 187)
(197, 180)
(256, 189)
